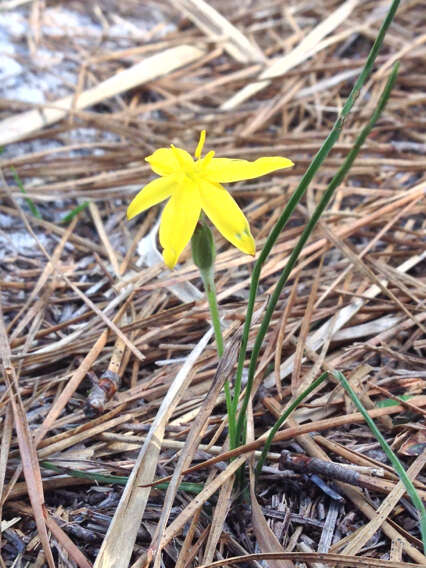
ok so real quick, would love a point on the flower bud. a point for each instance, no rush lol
(203, 249)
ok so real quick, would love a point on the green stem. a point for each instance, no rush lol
(335, 182)
(210, 289)
(298, 194)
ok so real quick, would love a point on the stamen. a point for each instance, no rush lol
(208, 158)
(200, 144)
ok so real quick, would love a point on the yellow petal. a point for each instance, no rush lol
(226, 170)
(155, 191)
(166, 161)
(178, 222)
(223, 212)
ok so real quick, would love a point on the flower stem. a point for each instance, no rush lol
(203, 255)
(210, 289)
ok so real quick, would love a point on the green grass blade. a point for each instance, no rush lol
(303, 185)
(33, 207)
(391, 402)
(411, 490)
(115, 479)
(98, 477)
(335, 182)
(70, 216)
(284, 417)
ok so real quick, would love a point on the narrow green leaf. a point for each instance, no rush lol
(411, 490)
(284, 417)
(114, 479)
(70, 216)
(303, 185)
(33, 207)
(391, 402)
(325, 199)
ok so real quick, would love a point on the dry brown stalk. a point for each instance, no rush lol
(87, 91)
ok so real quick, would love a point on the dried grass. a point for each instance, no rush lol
(117, 373)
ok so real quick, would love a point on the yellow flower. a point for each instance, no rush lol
(194, 185)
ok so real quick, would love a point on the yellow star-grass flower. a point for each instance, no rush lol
(193, 186)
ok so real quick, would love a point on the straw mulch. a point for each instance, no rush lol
(109, 366)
